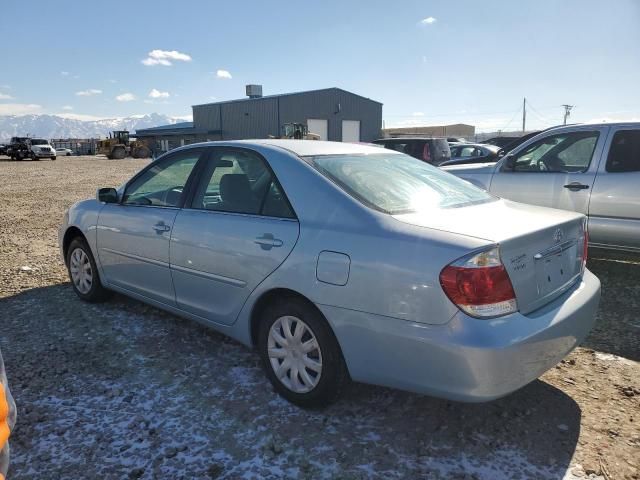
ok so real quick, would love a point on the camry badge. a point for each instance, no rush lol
(558, 235)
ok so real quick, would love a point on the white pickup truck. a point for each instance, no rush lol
(588, 168)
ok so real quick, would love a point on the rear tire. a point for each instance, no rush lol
(305, 375)
(83, 272)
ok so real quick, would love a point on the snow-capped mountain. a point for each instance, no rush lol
(54, 126)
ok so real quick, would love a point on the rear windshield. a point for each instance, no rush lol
(398, 184)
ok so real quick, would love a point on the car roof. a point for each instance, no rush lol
(308, 148)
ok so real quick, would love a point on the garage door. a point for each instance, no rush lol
(319, 127)
(351, 130)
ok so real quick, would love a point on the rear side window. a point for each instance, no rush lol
(624, 154)
(239, 181)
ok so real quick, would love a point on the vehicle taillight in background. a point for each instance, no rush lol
(479, 285)
(426, 153)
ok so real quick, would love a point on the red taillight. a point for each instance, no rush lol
(479, 285)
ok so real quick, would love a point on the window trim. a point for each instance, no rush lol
(189, 198)
(187, 185)
(610, 144)
(505, 169)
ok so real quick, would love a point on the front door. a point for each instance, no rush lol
(557, 171)
(133, 236)
(237, 228)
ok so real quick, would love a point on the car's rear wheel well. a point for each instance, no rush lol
(69, 235)
(267, 299)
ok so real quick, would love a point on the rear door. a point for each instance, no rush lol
(614, 211)
(133, 236)
(556, 171)
(237, 228)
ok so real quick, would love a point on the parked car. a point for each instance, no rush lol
(519, 141)
(7, 420)
(64, 152)
(500, 141)
(342, 261)
(465, 153)
(592, 169)
(430, 150)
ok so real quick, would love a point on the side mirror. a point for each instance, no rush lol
(107, 195)
(509, 163)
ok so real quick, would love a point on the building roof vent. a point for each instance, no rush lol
(254, 91)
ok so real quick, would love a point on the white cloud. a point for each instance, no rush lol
(154, 93)
(67, 107)
(125, 97)
(4, 96)
(223, 74)
(19, 108)
(64, 74)
(88, 93)
(6, 87)
(428, 21)
(165, 58)
(149, 62)
(417, 114)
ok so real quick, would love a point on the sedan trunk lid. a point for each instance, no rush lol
(541, 248)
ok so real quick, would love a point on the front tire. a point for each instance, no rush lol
(53, 158)
(83, 272)
(300, 353)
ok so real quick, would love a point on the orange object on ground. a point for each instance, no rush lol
(4, 418)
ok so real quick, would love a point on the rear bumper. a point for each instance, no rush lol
(466, 359)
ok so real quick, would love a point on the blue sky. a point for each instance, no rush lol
(428, 62)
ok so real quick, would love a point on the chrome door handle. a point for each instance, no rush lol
(161, 227)
(576, 186)
(267, 241)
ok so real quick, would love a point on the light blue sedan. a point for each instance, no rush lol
(340, 261)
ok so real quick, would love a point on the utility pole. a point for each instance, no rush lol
(524, 114)
(567, 112)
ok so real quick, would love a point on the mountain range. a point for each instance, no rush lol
(54, 126)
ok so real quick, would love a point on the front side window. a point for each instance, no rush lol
(566, 152)
(238, 181)
(398, 184)
(624, 153)
(162, 185)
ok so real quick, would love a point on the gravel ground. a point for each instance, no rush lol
(122, 390)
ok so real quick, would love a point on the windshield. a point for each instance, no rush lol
(398, 184)
(39, 141)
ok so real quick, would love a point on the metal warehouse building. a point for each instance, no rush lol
(332, 113)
